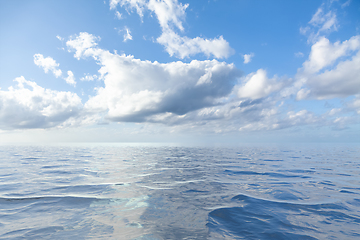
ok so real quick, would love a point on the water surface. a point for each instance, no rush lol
(100, 191)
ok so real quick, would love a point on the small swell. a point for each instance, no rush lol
(263, 219)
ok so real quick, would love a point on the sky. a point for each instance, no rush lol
(180, 71)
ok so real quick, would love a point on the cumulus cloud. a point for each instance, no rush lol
(135, 89)
(258, 85)
(83, 44)
(48, 64)
(168, 12)
(208, 95)
(332, 70)
(248, 57)
(342, 81)
(324, 53)
(30, 106)
(170, 15)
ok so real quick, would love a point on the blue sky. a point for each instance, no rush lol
(187, 71)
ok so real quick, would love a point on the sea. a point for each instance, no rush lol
(173, 191)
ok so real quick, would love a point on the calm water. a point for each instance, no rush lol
(168, 192)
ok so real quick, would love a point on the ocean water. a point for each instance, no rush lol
(119, 191)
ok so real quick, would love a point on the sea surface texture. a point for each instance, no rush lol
(174, 192)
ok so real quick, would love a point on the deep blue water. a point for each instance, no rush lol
(100, 191)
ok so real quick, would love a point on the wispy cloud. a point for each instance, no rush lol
(299, 54)
(322, 22)
(118, 15)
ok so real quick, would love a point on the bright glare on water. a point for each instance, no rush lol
(116, 191)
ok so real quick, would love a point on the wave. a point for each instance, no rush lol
(256, 218)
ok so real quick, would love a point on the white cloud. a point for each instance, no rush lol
(135, 90)
(324, 54)
(170, 14)
(48, 64)
(248, 57)
(129, 5)
(127, 35)
(30, 106)
(342, 81)
(258, 85)
(201, 95)
(332, 70)
(70, 79)
(84, 43)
